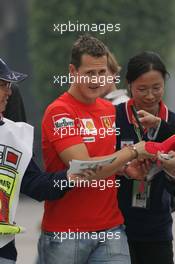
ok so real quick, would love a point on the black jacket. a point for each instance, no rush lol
(154, 223)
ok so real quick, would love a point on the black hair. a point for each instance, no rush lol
(145, 62)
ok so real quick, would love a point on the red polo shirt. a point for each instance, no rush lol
(68, 122)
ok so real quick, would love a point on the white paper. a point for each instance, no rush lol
(76, 166)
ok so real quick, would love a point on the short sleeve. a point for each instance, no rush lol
(61, 127)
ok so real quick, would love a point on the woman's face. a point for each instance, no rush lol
(147, 91)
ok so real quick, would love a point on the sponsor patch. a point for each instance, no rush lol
(63, 121)
(88, 124)
(88, 139)
(106, 122)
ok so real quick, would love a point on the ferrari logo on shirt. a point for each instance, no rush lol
(106, 121)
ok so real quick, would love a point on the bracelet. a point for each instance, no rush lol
(134, 150)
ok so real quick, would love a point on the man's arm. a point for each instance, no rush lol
(69, 146)
(78, 152)
(43, 185)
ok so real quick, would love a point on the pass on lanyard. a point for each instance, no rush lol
(141, 189)
(141, 194)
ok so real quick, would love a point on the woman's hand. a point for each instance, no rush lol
(148, 120)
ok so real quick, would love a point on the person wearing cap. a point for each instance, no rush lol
(14, 150)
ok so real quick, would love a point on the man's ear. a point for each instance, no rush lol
(72, 69)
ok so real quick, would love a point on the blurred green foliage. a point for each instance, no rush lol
(145, 25)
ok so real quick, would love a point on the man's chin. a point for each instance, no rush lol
(96, 92)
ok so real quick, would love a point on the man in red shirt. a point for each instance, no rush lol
(86, 225)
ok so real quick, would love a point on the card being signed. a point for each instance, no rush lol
(76, 166)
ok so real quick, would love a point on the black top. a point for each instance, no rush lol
(153, 223)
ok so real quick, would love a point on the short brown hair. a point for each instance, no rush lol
(86, 44)
(113, 65)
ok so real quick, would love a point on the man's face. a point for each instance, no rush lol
(91, 78)
(5, 92)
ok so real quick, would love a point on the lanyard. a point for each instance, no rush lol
(137, 131)
(141, 186)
